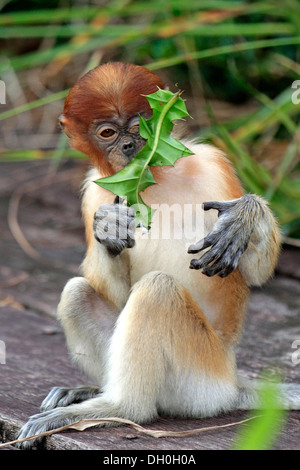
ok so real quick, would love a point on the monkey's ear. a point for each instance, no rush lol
(62, 121)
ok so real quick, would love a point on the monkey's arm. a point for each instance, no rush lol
(245, 236)
(109, 229)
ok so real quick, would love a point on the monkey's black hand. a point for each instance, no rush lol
(230, 236)
(114, 227)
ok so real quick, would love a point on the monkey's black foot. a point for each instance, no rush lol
(114, 227)
(230, 236)
(40, 423)
(64, 396)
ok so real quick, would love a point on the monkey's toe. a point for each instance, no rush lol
(64, 396)
(35, 426)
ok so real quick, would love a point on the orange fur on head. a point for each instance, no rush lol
(110, 90)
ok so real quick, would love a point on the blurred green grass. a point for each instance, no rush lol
(241, 54)
(267, 421)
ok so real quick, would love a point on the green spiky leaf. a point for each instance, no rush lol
(160, 149)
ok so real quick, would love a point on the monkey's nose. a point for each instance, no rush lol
(128, 148)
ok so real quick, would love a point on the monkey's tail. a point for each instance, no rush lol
(248, 397)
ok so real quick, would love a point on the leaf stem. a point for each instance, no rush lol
(165, 110)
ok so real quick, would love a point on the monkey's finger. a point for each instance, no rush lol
(131, 212)
(218, 233)
(221, 267)
(234, 262)
(233, 256)
(216, 256)
(53, 397)
(130, 241)
(227, 269)
(220, 206)
(200, 245)
(198, 264)
(119, 200)
(195, 264)
(218, 248)
(122, 211)
(206, 206)
(205, 259)
(210, 271)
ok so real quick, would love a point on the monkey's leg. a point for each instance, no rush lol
(87, 318)
(163, 355)
(179, 365)
(249, 394)
(245, 236)
(88, 322)
(106, 265)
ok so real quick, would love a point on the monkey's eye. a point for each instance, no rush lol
(135, 129)
(107, 133)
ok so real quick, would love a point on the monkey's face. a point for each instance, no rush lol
(119, 140)
(101, 113)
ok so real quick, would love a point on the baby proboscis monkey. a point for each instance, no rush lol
(154, 320)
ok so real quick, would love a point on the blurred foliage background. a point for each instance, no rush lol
(236, 61)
